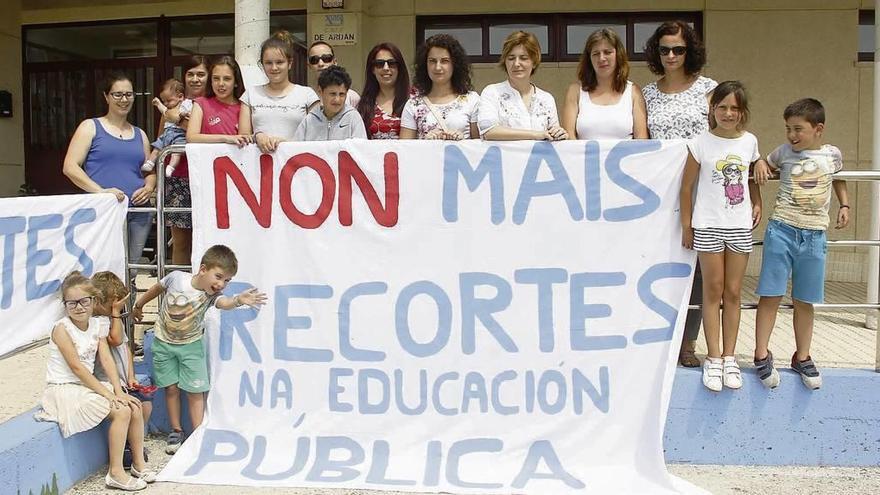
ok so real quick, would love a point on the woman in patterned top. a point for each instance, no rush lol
(603, 103)
(678, 108)
(446, 106)
(516, 108)
(386, 90)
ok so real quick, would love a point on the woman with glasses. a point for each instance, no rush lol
(678, 108)
(274, 110)
(321, 56)
(446, 106)
(105, 155)
(516, 108)
(386, 90)
(603, 103)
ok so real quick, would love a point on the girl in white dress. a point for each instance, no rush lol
(602, 103)
(516, 108)
(77, 401)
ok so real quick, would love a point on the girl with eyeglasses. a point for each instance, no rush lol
(274, 110)
(603, 103)
(678, 108)
(386, 91)
(105, 156)
(77, 401)
(516, 108)
(216, 117)
(321, 56)
(446, 106)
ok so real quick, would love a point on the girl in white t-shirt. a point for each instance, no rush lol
(77, 401)
(717, 222)
(274, 110)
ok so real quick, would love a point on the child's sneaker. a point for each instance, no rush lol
(808, 371)
(148, 166)
(175, 439)
(712, 371)
(766, 372)
(169, 169)
(732, 376)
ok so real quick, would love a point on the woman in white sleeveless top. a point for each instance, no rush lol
(602, 103)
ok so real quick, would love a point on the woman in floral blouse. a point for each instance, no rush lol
(446, 105)
(516, 108)
(386, 90)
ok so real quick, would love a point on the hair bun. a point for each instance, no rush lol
(283, 35)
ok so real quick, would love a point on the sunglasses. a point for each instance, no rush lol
(379, 63)
(677, 50)
(326, 58)
(85, 302)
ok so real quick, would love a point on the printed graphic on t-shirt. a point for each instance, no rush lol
(810, 179)
(730, 172)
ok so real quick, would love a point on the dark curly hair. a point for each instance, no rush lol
(366, 107)
(695, 58)
(461, 67)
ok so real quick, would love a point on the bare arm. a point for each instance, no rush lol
(502, 133)
(245, 126)
(143, 194)
(251, 297)
(194, 132)
(755, 195)
(152, 293)
(640, 114)
(115, 338)
(407, 133)
(842, 198)
(686, 198)
(570, 110)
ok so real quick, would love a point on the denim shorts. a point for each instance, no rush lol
(796, 253)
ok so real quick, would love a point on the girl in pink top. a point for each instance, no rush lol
(215, 118)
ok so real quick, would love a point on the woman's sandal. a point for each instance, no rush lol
(688, 359)
(132, 485)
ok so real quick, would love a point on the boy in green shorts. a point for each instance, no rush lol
(179, 355)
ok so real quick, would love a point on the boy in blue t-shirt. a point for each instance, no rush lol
(794, 243)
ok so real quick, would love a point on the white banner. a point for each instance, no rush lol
(461, 317)
(44, 239)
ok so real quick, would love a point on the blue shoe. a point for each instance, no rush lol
(175, 440)
(808, 371)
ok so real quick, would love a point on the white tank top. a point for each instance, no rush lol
(605, 121)
(86, 344)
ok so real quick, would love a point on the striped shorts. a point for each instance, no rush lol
(715, 240)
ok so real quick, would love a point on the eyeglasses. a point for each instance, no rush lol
(326, 58)
(379, 63)
(118, 95)
(85, 302)
(677, 50)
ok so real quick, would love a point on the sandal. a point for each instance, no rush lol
(147, 475)
(688, 358)
(132, 485)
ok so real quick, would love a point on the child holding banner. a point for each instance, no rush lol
(77, 400)
(794, 244)
(717, 222)
(179, 358)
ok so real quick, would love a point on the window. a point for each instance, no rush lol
(107, 41)
(562, 36)
(866, 36)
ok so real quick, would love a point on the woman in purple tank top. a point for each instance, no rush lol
(105, 154)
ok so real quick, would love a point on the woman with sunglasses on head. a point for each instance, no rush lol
(446, 105)
(321, 56)
(603, 103)
(177, 194)
(216, 117)
(105, 155)
(678, 108)
(516, 108)
(274, 110)
(386, 91)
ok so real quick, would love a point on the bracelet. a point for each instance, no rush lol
(236, 301)
(843, 206)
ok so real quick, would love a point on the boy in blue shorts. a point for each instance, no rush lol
(179, 354)
(794, 244)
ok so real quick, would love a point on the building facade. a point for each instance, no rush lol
(54, 51)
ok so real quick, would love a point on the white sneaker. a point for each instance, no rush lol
(169, 169)
(712, 371)
(732, 374)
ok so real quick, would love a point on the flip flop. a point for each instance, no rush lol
(132, 485)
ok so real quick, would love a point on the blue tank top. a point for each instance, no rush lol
(116, 162)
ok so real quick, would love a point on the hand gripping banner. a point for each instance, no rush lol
(461, 317)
